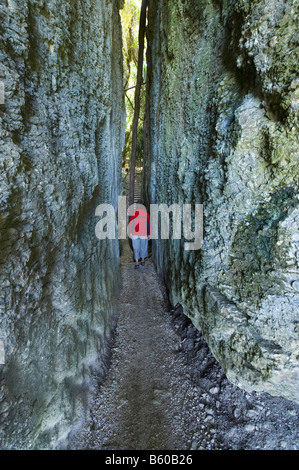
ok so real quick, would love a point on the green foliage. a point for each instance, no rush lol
(130, 23)
(130, 16)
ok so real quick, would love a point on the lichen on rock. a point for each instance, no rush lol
(62, 127)
(221, 130)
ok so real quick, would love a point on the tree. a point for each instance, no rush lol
(141, 36)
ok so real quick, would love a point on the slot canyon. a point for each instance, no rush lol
(199, 348)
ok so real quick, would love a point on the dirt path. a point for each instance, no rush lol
(142, 404)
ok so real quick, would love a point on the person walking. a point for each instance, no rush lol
(139, 229)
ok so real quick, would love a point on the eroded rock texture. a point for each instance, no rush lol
(222, 130)
(62, 128)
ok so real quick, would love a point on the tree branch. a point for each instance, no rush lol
(132, 87)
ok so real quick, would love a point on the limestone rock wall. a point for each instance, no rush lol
(62, 128)
(222, 131)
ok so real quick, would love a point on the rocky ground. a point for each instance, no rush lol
(165, 391)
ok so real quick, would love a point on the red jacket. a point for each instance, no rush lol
(139, 224)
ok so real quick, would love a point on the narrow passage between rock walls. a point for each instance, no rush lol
(143, 403)
(164, 390)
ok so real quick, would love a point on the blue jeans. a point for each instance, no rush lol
(140, 247)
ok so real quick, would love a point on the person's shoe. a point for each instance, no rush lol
(136, 266)
(142, 263)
